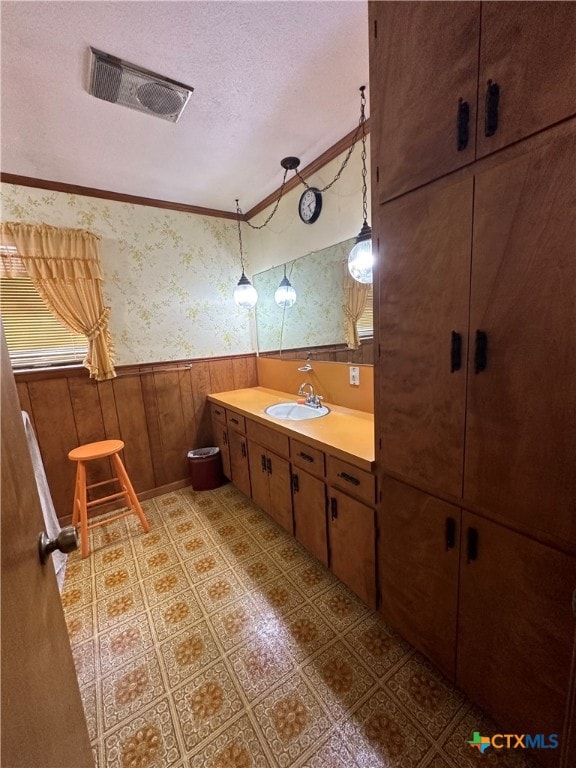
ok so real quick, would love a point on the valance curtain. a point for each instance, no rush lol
(355, 298)
(64, 266)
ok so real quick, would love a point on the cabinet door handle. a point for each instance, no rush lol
(333, 508)
(305, 456)
(263, 462)
(243, 447)
(481, 352)
(472, 545)
(269, 465)
(491, 108)
(450, 533)
(225, 437)
(349, 478)
(456, 352)
(295, 483)
(462, 122)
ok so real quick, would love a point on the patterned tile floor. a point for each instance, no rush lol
(216, 641)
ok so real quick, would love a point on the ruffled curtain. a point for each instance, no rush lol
(355, 298)
(64, 266)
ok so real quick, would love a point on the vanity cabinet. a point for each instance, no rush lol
(270, 475)
(309, 499)
(448, 77)
(220, 430)
(238, 450)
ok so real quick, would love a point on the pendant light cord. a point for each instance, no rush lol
(239, 215)
(364, 171)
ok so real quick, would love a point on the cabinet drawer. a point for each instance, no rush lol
(356, 482)
(218, 413)
(310, 459)
(269, 438)
(235, 421)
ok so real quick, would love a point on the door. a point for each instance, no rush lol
(43, 721)
(239, 461)
(423, 63)
(418, 560)
(424, 276)
(258, 475)
(309, 499)
(521, 417)
(221, 440)
(352, 542)
(515, 628)
(528, 50)
(279, 479)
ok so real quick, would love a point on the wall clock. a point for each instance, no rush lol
(310, 205)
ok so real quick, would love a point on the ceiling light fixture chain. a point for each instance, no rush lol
(261, 226)
(363, 155)
(359, 130)
(239, 216)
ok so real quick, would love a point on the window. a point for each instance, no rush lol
(365, 322)
(34, 336)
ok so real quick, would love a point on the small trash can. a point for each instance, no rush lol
(205, 466)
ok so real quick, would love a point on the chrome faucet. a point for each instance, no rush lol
(311, 398)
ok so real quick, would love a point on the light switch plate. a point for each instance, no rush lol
(354, 375)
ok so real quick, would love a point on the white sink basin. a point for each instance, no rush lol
(296, 411)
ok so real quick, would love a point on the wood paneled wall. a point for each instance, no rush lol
(158, 410)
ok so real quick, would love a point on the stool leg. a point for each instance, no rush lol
(83, 510)
(75, 506)
(129, 490)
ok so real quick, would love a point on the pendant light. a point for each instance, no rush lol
(285, 295)
(360, 260)
(245, 295)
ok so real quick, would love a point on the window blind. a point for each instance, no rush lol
(35, 338)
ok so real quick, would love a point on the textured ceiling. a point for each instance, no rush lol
(270, 79)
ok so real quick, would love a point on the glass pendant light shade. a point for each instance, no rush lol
(285, 295)
(360, 260)
(245, 295)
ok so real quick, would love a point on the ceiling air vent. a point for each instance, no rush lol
(115, 80)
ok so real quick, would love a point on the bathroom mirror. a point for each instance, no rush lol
(316, 321)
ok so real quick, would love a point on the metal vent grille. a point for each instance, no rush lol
(119, 82)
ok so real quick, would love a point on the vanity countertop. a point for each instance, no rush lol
(344, 432)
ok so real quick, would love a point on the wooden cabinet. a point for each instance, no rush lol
(515, 338)
(352, 542)
(220, 431)
(309, 501)
(270, 473)
(240, 468)
(512, 63)
(515, 628)
(418, 558)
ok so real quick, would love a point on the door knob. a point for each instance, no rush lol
(66, 541)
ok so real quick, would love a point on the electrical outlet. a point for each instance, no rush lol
(355, 375)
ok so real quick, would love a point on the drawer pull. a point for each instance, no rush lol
(463, 120)
(491, 116)
(349, 478)
(333, 508)
(234, 421)
(217, 412)
(306, 456)
(295, 483)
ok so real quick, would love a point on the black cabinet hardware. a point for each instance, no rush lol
(462, 123)
(263, 462)
(295, 483)
(269, 465)
(456, 352)
(450, 533)
(243, 447)
(349, 478)
(225, 437)
(333, 508)
(305, 456)
(234, 421)
(481, 352)
(491, 115)
(472, 545)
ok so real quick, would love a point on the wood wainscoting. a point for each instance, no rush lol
(159, 410)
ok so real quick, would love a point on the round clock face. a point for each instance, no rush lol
(310, 205)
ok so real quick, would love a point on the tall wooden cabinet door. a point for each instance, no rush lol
(520, 460)
(528, 51)
(279, 480)
(352, 542)
(418, 560)
(221, 440)
(423, 61)
(309, 500)
(423, 275)
(239, 461)
(258, 475)
(516, 628)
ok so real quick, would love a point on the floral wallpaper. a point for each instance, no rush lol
(317, 317)
(169, 276)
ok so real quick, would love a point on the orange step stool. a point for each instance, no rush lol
(100, 450)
